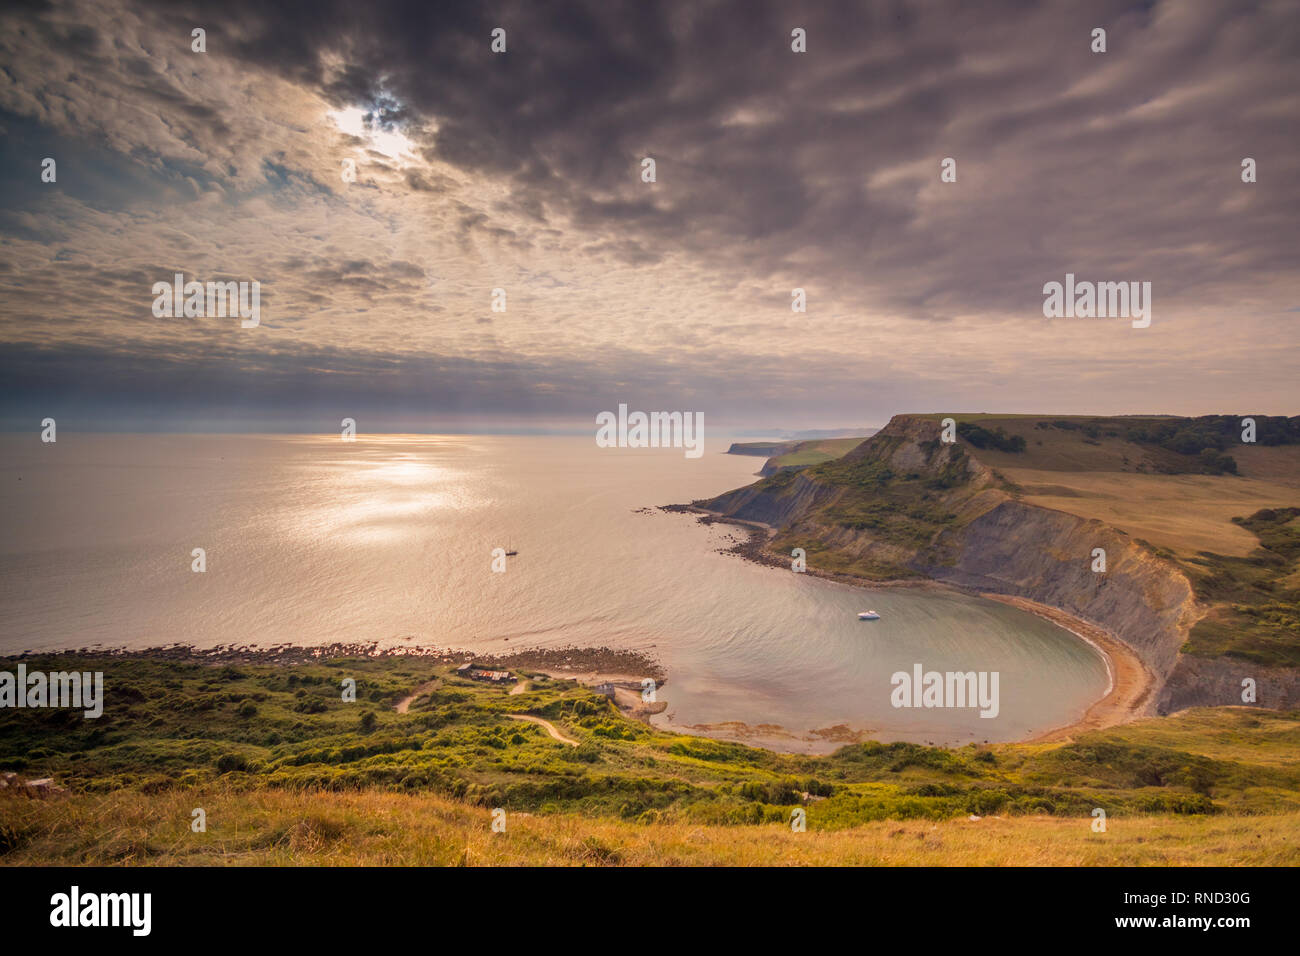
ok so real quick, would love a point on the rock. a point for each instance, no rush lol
(43, 787)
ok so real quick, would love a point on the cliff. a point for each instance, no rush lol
(904, 503)
(763, 449)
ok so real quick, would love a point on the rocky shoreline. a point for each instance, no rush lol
(754, 549)
(585, 659)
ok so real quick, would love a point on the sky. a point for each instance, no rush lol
(522, 171)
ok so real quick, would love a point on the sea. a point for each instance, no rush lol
(314, 540)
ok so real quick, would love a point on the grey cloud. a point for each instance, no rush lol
(820, 168)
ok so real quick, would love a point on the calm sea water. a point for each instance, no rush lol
(311, 540)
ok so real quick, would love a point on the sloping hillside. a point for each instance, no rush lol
(812, 452)
(792, 455)
(414, 770)
(906, 504)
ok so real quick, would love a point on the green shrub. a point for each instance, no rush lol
(230, 762)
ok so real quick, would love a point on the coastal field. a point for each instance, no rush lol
(1185, 514)
(1095, 470)
(286, 771)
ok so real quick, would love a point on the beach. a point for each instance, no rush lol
(1130, 684)
(1131, 681)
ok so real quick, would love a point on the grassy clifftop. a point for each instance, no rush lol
(792, 455)
(875, 511)
(813, 452)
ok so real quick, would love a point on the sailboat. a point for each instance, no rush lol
(510, 551)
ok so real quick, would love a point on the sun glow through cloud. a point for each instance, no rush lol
(392, 143)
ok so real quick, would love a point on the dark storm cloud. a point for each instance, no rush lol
(766, 158)
(114, 388)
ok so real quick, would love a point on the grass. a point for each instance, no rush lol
(901, 515)
(376, 828)
(287, 771)
(904, 513)
(1185, 514)
(1256, 615)
(816, 452)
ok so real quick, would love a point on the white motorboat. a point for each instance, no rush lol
(868, 616)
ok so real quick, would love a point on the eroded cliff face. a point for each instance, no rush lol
(774, 506)
(1046, 556)
(1198, 681)
(911, 444)
(994, 542)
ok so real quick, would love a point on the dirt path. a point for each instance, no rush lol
(405, 703)
(547, 726)
(1130, 681)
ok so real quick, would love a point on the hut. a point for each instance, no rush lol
(480, 673)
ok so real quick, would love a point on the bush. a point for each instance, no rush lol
(228, 763)
(985, 802)
(1216, 462)
(994, 438)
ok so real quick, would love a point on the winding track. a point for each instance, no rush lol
(404, 704)
(549, 727)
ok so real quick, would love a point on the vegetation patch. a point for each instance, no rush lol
(994, 438)
(458, 743)
(1257, 612)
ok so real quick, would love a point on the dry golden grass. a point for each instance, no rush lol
(1184, 513)
(382, 828)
